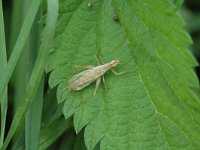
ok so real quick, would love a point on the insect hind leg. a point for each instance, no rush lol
(102, 62)
(101, 59)
(94, 93)
(97, 59)
(97, 85)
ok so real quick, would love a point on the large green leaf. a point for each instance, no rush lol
(151, 106)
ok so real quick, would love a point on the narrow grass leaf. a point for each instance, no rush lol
(38, 70)
(25, 30)
(34, 114)
(3, 63)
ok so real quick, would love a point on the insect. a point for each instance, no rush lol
(85, 78)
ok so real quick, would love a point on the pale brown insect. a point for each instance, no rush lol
(85, 78)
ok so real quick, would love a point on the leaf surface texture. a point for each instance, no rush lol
(151, 106)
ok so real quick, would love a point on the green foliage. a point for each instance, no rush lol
(155, 105)
(38, 69)
(3, 64)
(150, 107)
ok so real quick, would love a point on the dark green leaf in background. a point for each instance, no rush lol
(150, 107)
(3, 64)
(38, 69)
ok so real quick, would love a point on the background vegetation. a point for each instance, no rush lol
(53, 131)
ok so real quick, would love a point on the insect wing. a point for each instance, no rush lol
(81, 80)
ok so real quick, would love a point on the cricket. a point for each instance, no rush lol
(93, 73)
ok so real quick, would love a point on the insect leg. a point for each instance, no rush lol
(102, 75)
(97, 60)
(104, 83)
(94, 93)
(101, 59)
(118, 73)
(97, 85)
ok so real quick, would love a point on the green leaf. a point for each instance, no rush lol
(50, 133)
(72, 141)
(25, 30)
(151, 106)
(3, 63)
(38, 69)
(178, 3)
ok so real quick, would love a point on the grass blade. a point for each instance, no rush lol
(3, 63)
(25, 30)
(38, 69)
(33, 121)
(33, 116)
